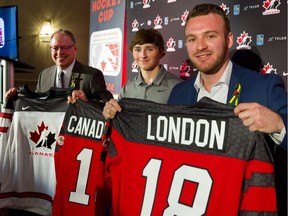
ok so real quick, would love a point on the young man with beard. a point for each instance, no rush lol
(260, 100)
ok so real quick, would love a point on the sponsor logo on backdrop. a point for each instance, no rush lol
(260, 39)
(146, 3)
(271, 7)
(134, 67)
(243, 41)
(131, 4)
(170, 45)
(135, 25)
(225, 8)
(268, 69)
(184, 17)
(158, 22)
(105, 51)
(236, 9)
(184, 70)
(171, 1)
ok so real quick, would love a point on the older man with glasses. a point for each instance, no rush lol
(85, 82)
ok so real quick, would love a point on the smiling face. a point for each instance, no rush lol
(63, 50)
(207, 44)
(147, 56)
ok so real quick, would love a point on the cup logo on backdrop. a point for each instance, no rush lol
(135, 25)
(146, 3)
(184, 17)
(134, 67)
(270, 7)
(225, 8)
(105, 51)
(243, 41)
(158, 22)
(170, 45)
(268, 69)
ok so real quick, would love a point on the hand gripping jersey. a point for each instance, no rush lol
(188, 161)
(28, 180)
(81, 188)
(5, 122)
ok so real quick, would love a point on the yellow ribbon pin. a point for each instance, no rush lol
(236, 95)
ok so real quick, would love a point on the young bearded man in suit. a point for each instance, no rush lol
(260, 100)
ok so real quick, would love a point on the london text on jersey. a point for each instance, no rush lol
(85, 127)
(204, 133)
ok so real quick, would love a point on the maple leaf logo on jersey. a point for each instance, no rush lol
(271, 7)
(268, 69)
(244, 40)
(225, 8)
(42, 137)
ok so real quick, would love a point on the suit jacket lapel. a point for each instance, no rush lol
(53, 76)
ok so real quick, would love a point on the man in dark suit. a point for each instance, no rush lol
(86, 83)
(260, 100)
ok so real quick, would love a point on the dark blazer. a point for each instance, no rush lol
(88, 79)
(268, 90)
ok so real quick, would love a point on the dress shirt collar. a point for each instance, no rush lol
(225, 78)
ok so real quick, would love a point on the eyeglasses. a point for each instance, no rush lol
(64, 48)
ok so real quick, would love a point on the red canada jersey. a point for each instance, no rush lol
(80, 187)
(187, 160)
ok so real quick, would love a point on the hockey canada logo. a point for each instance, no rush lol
(268, 69)
(225, 8)
(184, 17)
(244, 40)
(42, 137)
(135, 25)
(171, 45)
(158, 22)
(271, 7)
(184, 70)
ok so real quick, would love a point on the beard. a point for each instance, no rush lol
(214, 66)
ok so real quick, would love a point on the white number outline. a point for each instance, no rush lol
(79, 195)
(189, 173)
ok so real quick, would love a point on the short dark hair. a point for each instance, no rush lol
(148, 36)
(65, 32)
(205, 9)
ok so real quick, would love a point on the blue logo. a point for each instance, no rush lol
(236, 10)
(166, 20)
(180, 44)
(260, 39)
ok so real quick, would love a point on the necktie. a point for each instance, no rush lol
(62, 79)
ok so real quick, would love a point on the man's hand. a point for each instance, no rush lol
(77, 95)
(259, 118)
(110, 109)
(11, 93)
